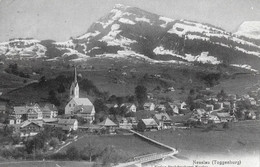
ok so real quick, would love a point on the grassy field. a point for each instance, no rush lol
(46, 164)
(130, 144)
(241, 137)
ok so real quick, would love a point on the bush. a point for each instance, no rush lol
(54, 142)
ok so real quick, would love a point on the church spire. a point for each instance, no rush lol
(75, 75)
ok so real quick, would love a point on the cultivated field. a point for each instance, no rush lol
(46, 164)
(240, 138)
(130, 144)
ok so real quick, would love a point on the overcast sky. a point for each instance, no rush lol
(62, 19)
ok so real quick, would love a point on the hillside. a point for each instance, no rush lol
(129, 46)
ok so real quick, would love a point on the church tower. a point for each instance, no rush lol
(74, 88)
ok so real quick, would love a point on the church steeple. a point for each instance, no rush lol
(75, 75)
(74, 88)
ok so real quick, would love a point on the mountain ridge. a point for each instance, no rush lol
(134, 33)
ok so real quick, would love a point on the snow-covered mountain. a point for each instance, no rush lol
(249, 29)
(129, 32)
(22, 49)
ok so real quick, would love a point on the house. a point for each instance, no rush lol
(149, 106)
(252, 101)
(227, 104)
(30, 128)
(213, 119)
(128, 123)
(85, 111)
(174, 108)
(67, 124)
(27, 112)
(108, 125)
(163, 120)
(160, 108)
(225, 117)
(149, 96)
(218, 106)
(147, 125)
(77, 105)
(250, 115)
(130, 107)
(3, 107)
(204, 118)
(49, 111)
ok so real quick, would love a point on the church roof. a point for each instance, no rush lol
(82, 101)
(84, 109)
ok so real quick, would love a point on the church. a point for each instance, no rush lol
(81, 107)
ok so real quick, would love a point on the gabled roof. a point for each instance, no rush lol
(162, 116)
(66, 121)
(84, 109)
(149, 122)
(148, 104)
(26, 123)
(223, 115)
(107, 122)
(20, 110)
(143, 114)
(82, 101)
(48, 107)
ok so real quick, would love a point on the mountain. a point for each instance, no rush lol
(249, 29)
(129, 32)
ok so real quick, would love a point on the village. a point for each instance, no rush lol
(202, 108)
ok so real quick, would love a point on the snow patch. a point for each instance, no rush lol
(244, 66)
(166, 20)
(250, 29)
(126, 21)
(90, 34)
(248, 52)
(143, 19)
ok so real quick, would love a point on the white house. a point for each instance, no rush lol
(129, 106)
(149, 106)
(67, 124)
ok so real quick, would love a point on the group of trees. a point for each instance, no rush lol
(94, 150)
(13, 69)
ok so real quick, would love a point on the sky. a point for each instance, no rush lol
(61, 19)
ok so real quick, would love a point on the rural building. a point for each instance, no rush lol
(174, 108)
(85, 111)
(128, 123)
(108, 126)
(163, 120)
(147, 125)
(79, 106)
(225, 117)
(160, 108)
(49, 111)
(213, 119)
(130, 107)
(250, 115)
(30, 128)
(67, 124)
(27, 112)
(3, 107)
(149, 106)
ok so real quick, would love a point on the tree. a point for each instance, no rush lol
(91, 149)
(61, 88)
(141, 94)
(53, 99)
(73, 153)
(99, 105)
(54, 142)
